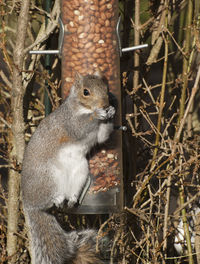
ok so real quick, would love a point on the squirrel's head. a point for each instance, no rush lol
(91, 91)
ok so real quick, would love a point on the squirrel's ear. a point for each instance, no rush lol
(98, 73)
(78, 77)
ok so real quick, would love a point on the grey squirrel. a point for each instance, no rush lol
(55, 169)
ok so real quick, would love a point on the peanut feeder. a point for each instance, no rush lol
(90, 44)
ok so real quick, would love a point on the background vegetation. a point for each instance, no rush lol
(160, 98)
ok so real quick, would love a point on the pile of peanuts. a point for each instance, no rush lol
(90, 41)
(105, 169)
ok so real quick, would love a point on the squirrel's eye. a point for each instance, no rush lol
(86, 92)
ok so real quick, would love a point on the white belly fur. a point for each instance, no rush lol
(70, 172)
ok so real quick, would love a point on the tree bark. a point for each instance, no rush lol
(17, 141)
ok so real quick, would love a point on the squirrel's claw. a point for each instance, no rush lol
(72, 201)
(110, 112)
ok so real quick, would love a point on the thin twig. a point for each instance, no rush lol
(5, 79)
(193, 93)
(162, 97)
(5, 122)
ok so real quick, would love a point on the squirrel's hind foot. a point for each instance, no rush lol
(72, 201)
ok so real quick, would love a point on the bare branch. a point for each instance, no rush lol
(17, 138)
(50, 27)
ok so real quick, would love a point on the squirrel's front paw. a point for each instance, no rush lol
(101, 113)
(107, 113)
(110, 112)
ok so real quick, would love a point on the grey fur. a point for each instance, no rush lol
(73, 129)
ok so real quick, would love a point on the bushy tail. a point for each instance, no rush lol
(50, 244)
(86, 248)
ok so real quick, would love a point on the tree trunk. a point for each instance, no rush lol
(17, 142)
